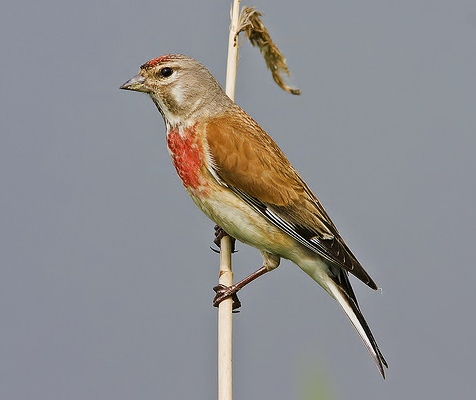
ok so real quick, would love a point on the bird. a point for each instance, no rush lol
(239, 177)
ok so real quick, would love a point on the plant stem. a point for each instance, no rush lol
(225, 320)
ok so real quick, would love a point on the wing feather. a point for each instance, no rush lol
(251, 164)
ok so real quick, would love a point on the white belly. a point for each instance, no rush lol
(239, 220)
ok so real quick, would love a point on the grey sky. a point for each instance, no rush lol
(106, 277)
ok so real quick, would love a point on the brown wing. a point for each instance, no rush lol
(248, 161)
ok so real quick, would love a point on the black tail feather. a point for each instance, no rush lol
(345, 296)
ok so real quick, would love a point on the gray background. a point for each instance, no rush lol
(106, 272)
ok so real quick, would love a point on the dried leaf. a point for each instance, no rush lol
(250, 22)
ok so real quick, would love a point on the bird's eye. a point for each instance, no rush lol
(166, 72)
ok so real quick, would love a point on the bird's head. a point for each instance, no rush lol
(182, 89)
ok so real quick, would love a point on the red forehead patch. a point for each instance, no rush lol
(159, 60)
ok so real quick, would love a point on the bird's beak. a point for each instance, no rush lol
(136, 83)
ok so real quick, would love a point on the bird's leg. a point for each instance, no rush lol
(219, 234)
(223, 292)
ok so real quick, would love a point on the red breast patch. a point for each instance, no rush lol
(187, 155)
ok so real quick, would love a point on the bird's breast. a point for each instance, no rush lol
(187, 155)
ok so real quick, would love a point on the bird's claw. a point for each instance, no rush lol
(219, 234)
(223, 292)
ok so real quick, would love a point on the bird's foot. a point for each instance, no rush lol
(223, 292)
(219, 234)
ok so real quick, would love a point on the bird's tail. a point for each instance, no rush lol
(342, 291)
